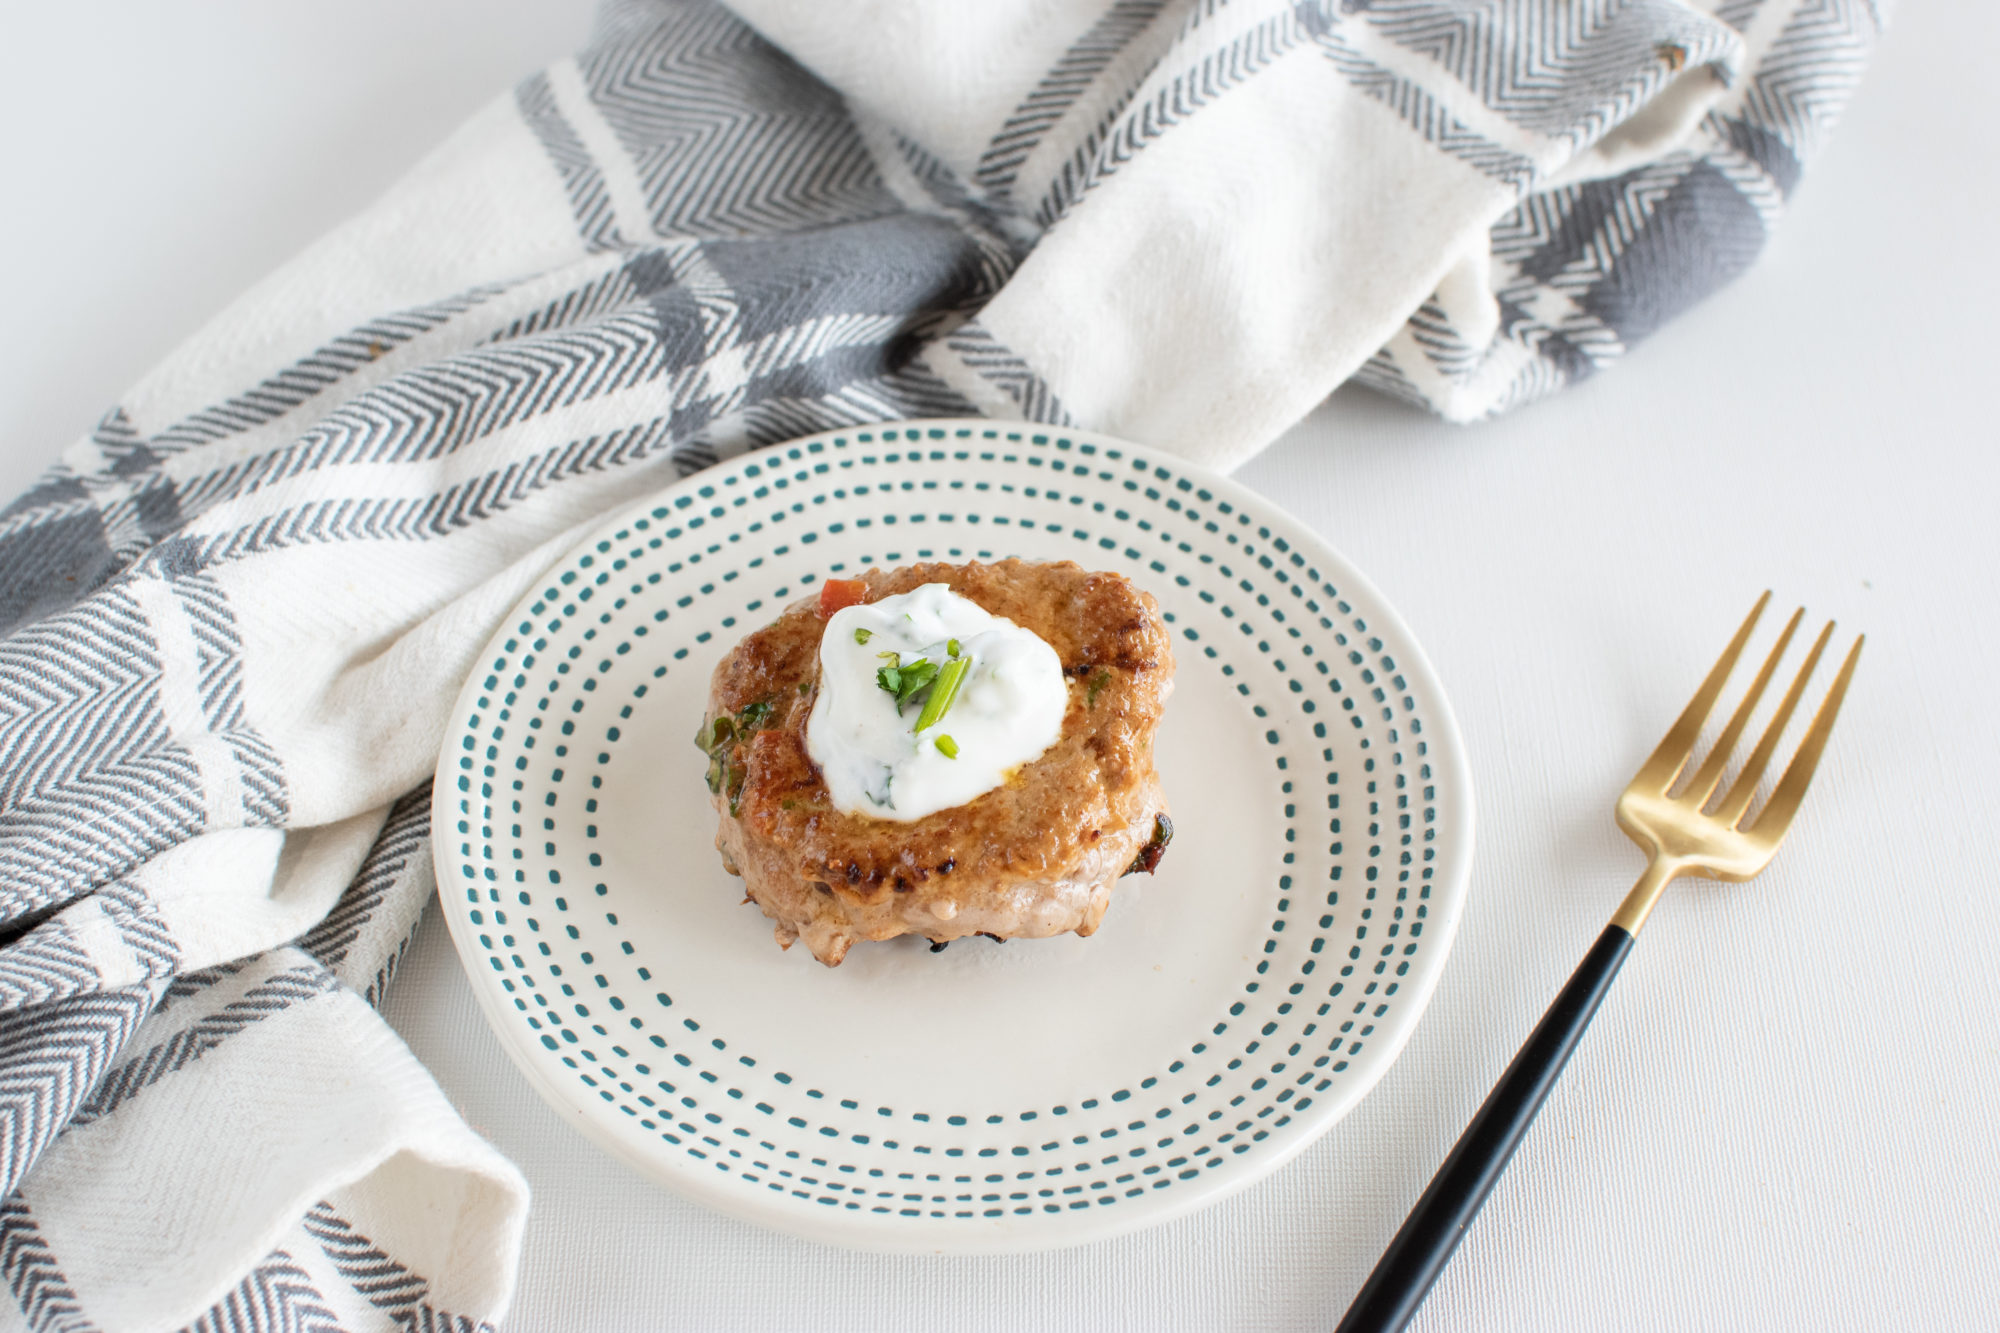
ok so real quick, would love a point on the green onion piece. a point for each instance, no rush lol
(943, 693)
(863, 636)
(947, 747)
(704, 739)
(952, 647)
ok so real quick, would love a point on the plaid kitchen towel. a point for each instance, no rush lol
(232, 619)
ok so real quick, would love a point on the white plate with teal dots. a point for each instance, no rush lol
(991, 1097)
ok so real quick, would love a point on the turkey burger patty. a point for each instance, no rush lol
(1035, 855)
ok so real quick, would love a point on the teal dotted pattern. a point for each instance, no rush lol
(1347, 738)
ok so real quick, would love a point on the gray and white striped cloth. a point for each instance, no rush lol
(235, 616)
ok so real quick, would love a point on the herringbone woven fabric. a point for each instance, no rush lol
(1575, 274)
(235, 616)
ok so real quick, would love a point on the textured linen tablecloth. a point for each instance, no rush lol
(1786, 1123)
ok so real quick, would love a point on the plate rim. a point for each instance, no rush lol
(1457, 839)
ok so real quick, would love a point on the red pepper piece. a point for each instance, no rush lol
(837, 593)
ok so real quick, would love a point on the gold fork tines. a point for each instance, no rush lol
(1678, 832)
(1682, 835)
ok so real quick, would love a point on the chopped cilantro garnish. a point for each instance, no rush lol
(916, 676)
(719, 737)
(906, 680)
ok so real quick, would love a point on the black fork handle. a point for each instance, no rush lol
(1406, 1270)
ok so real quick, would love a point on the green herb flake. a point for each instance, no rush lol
(916, 677)
(719, 737)
(1097, 684)
(863, 636)
(947, 747)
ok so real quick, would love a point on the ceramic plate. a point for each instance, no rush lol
(990, 1097)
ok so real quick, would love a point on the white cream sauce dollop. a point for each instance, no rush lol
(1008, 709)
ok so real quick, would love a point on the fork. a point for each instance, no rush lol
(1686, 833)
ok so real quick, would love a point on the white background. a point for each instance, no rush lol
(1784, 1116)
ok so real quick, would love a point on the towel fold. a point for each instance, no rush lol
(236, 615)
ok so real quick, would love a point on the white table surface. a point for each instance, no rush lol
(1784, 1115)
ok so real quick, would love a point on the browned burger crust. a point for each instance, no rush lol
(1036, 856)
